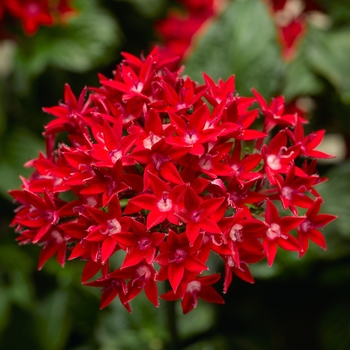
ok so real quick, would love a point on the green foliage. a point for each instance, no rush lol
(329, 56)
(148, 8)
(83, 43)
(230, 46)
(19, 147)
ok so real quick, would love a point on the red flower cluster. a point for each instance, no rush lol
(165, 171)
(34, 13)
(178, 29)
(290, 17)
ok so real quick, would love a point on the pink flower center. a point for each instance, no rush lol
(113, 226)
(158, 159)
(196, 215)
(306, 226)
(32, 9)
(57, 236)
(287, 192)
(144, 243)
(179, 256)
(193, 287)
(274, 231)
(144, 271)
(236, 233)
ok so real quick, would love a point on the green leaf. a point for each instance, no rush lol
(87, 40)
(329, 56)
(4, 308)
(241, 42)
(145, 328)
(300, 80)
(336, 194)
(53, 323)
(20, 146)
(148, 8)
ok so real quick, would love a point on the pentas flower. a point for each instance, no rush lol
(166, 172)
(178, 28)
(36, 13)
(291, 22)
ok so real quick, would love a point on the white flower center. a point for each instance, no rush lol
(149, 141)
(165, 204)
(205, 163)
(274, 162)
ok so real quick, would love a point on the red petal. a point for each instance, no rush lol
(175, 274)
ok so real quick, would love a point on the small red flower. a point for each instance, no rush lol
(277, 232)
(199, 287)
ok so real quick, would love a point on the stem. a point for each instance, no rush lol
(174, 342)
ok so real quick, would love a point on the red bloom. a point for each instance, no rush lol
(195, 288)
(277, 232)
(309, 229)
(153, 172)
(178, 258)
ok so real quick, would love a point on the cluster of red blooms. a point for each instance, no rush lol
(291, 22)
(36, 13)
(165, 171)
(178, 29)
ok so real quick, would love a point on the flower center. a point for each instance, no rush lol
(306, 226)
(274, 162)
(57, 236)
(158, 159)
(196, 215)
(274, 231)
(113, 226)
(143, 243)
(287, 192)
(193, 287)
(115, 155)
(149, 141)
(236, 233)
(205, 163)
(32, 9)
(165, 204)
(179, 256)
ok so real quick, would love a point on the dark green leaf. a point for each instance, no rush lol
(148, 8)
(241, 42)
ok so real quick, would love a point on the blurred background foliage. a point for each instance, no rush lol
(294, 304)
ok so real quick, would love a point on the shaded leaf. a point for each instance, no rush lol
(84, 42)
